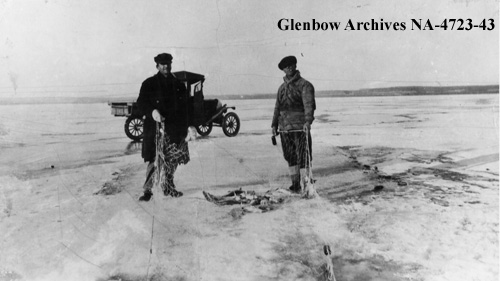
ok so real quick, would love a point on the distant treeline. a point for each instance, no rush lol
(426, 90)
(393, 91)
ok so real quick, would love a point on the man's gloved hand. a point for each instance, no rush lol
(157, 116)
(307, 127)
(274, 131)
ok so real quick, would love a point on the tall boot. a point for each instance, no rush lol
(169, 188)
(295, 176)
(146, 196)
(295, 187)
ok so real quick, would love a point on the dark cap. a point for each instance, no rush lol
(287, 61)
(163, 58)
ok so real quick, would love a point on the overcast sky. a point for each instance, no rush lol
(106, 48)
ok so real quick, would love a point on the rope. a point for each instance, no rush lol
(309, 192)
(159, 140)
(329, 272)
(308, 167)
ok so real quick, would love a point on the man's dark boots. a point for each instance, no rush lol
(170, 188)
(146, 196)
(295, 187)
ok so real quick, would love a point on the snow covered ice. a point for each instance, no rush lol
(436, 217)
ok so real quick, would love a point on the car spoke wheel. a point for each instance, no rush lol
(231, 124)
(134, 128)
(204, 130)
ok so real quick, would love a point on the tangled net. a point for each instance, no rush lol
(169, 156)
(297, 150)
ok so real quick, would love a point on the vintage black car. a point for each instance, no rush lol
(204, 114)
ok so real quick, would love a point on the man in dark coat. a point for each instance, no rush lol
(293, 116)
(163, 99)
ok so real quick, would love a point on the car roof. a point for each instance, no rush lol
(190, 77)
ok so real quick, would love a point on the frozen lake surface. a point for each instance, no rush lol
(37, 136)
(436, 158)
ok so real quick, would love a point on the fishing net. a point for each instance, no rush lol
(169, 156)
(297, 151)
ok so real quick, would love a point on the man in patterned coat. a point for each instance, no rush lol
(163, 99)
(293, 116)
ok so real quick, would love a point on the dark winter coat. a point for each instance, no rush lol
(295, 104)
(169, 96)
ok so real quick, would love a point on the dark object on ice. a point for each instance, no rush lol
(203, 114)
(109, 188)
(378, 188)
(366, 167)
(402, 183)
(231, 198)
(263, 203)
(52, 166)
(327, 250)
(328, 273)
(146, 196)
(385, 177)
(441, 202)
